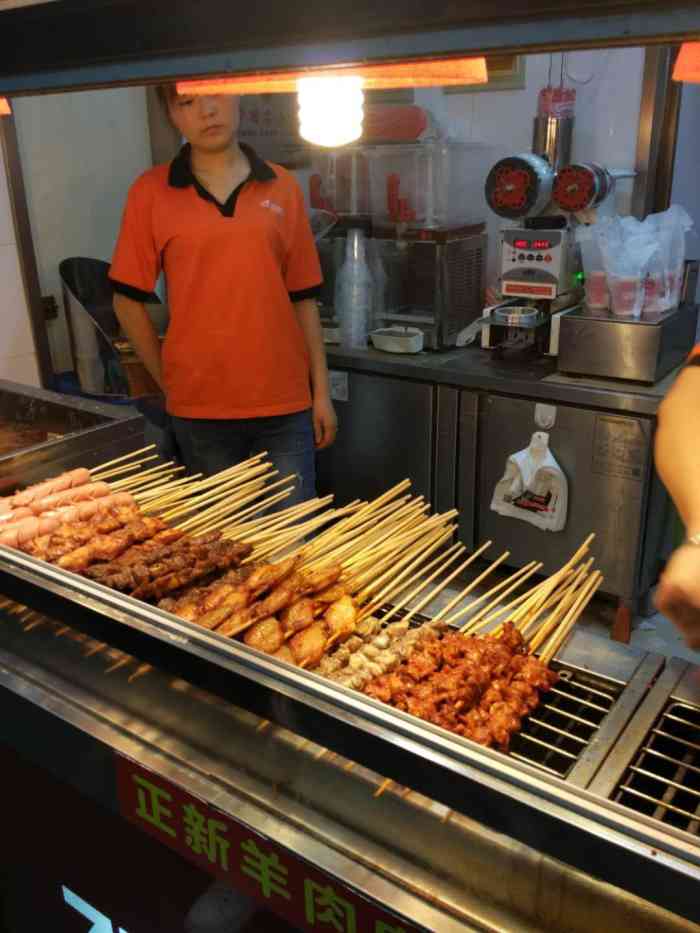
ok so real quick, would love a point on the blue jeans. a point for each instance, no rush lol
(210, 445)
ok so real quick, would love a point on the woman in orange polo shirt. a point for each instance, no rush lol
(243, 365)
(678, 463)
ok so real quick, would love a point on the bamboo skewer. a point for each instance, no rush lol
(530, 623)
(434, 593)
(128, 468)
(586, 594)
(381, 565)
(219, 510)
(444, 560)
(541, 595)
(109, 463)
(441, 563)
(278, 518)
(549, 626)
(508, 585)
(467, 589)
(423, 550)
(164, 492)
(256, 477)
(168, 466)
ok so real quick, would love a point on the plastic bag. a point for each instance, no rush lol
(533, 487)
(626, 247)
(596, 280)
(665, 274)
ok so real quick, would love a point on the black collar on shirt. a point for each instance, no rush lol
(180, 175)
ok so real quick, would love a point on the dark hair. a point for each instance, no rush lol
(166, 95)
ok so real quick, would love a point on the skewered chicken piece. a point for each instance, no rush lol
(285, 594)
(265, 635)
(285, 654)
(340, 618)
(107, 546)
(298, 616)
(309, 645)
(332, 593)
(267, 576)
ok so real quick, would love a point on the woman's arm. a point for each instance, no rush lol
(677, 453)
(325, 421)
(138, 327)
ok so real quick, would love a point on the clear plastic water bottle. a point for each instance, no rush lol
(353, 293)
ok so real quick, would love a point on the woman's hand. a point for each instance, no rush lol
(678, 594)
(325, 422)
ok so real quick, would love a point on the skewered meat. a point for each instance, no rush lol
(70, 496)
(107, 546)
(479, 687)
(267, 576)
(69, 480)
(14, 515)
(265, 635)
(320, 579)
(298, 616)
(340, 617)
(33, 535)
(136, 574)
(285, 654)
(331, 593)
(222, 556)
(309, 645)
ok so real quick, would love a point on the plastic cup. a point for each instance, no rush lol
(656, 296)
(626, 295)
(597, 295)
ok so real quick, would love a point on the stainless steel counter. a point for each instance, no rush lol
(477, 369)
(73, 707)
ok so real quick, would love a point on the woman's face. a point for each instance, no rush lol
(207, 122)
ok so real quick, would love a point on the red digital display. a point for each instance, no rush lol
(521, 244)
(541, 244)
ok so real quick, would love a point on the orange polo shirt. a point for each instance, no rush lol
(695, 356)
(234, 347)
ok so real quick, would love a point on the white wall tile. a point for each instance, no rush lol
(16, 338)
(80, 153)
(24, 369)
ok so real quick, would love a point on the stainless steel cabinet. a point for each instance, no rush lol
(607, 462)
(386, 432)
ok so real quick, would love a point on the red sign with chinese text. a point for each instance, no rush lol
(265, 871)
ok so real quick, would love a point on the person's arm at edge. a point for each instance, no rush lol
(324, 417)
(139, 328)
(677, 454)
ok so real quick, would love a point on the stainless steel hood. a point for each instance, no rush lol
(92, 43)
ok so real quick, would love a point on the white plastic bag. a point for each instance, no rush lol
(533, 488)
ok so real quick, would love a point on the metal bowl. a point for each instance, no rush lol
(516, 316)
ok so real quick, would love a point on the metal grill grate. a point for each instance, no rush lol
(556, 734)
(664, 780)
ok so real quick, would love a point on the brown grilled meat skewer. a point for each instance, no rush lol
(107, 546)
(222, 557)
